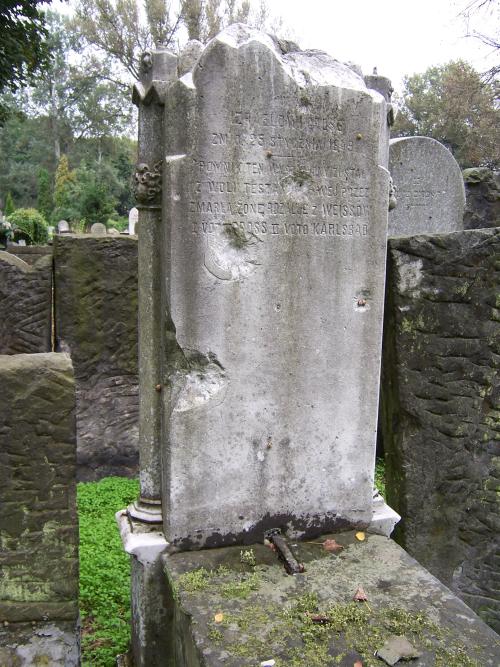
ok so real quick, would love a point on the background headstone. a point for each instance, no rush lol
(38, 520)
(274, 261)
(96, 321)
(133, 218)
(25, 304)
(98, 229)
(440, 407)
(429, 188)
(63, 227)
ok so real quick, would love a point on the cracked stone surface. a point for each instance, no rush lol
(441, 408)
(273, 255)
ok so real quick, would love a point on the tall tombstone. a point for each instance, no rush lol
(272, 259)
(133, 217)
(429, 188)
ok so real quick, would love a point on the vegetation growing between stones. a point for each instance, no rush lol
(104, 571)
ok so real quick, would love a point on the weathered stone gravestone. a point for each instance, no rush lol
(38, 520)
(96, 305)
(133, 217)
(98, 229)
(25, 304)
(63, 227)
(273, 273)
(429, 188)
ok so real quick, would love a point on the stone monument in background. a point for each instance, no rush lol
(429, 188)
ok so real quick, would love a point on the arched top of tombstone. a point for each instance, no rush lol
(63, 226)
(429, 188)
(306, 68)
(98, 229)
(9, 258)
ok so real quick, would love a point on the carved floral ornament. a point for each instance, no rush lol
(147, 183)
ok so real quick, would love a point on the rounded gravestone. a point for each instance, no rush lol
(98, 229)
(429, 188)
(63, 227)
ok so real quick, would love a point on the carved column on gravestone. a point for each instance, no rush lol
(158, 68)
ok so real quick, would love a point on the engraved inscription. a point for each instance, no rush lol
(300, 172)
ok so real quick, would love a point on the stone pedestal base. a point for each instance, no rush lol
(151, 604)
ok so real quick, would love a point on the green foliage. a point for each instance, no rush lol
(93, 195)
(64, 179)
(452, 104)
(104, 571)
(45, 202)
(24, 50)
(380, 476)
(30, 225)
(9, 205)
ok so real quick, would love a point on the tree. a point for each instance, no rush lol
(488, 12)
(45, 201)
(9, 205)
(30, 225)
(121, 31)
(64, 200)
(23, 49)
(452, 104)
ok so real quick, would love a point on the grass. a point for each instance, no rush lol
(104, 571)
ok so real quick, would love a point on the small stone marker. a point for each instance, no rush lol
(133, 218)
(63, 227)
(98, 229)
(273, 272)
(429, 188)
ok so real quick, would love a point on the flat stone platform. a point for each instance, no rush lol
(237, 606)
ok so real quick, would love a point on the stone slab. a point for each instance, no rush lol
(96, 317)
(228, 612)
(25, 303)
(482, 193)
(440, 408)
(38, 521)
(29, 253)
(40, 644)
(273, 259)
(429, 188)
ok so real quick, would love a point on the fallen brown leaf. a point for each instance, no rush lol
(332, 545)
(360, 595)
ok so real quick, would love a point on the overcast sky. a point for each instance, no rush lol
(398, 37)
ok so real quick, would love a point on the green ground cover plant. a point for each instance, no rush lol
(104, 571)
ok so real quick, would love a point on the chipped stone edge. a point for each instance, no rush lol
(145, 546)
(384, 518)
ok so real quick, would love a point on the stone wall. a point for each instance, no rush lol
(96, 321)
(482, 189)
(440, 406)
(25, 304)
(38, 521)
